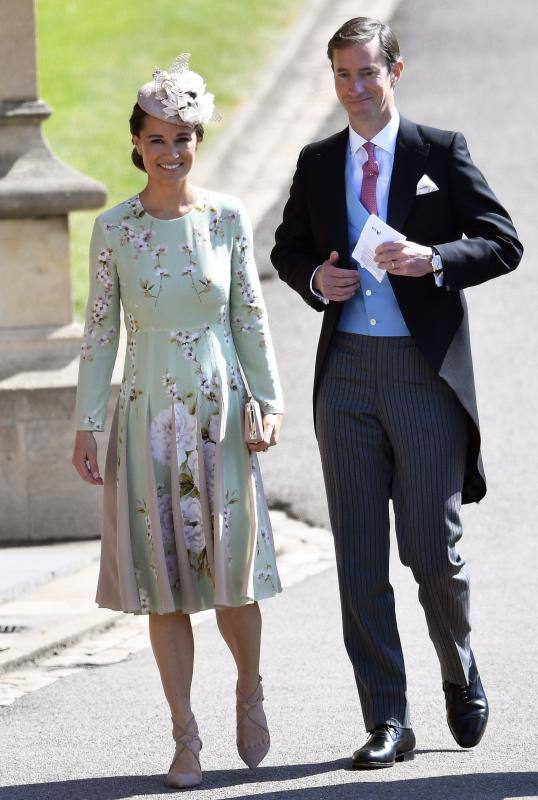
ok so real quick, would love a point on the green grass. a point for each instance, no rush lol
(94, 55)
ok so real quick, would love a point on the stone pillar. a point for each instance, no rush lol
(39, 498)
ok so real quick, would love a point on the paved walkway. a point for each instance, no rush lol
(49, 622)
(103, 734)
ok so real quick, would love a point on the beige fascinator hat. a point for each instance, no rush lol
(178, 96)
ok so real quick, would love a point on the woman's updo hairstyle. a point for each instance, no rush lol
(136, 123)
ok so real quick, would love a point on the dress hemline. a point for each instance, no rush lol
(139, 612)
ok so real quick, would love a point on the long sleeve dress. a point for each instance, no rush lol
(185, 521)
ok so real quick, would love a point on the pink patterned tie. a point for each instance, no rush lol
(370, 171)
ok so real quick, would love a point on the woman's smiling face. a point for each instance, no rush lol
(168, 150)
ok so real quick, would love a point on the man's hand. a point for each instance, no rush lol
(404, 258)
(271, 431)
(85, 458)
(336, 283)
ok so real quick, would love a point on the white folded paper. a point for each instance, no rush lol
(374, 232)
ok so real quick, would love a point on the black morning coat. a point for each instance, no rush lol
(315, 222)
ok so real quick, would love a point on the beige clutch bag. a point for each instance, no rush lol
(253, 421)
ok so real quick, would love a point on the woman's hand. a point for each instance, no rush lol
(85, 458)
(271, 432)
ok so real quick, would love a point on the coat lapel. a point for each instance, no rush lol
(333, 187)
(409, 165)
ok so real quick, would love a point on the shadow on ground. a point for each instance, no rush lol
(491, 785)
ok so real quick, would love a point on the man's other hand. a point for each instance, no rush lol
(336, 283)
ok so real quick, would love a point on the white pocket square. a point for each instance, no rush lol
(426, 185)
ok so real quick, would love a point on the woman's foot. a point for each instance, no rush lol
(185, 769)
(253, 740)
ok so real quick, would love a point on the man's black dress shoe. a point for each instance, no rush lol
(386, 744)
(466, 709)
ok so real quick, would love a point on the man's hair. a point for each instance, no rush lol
(364, 29)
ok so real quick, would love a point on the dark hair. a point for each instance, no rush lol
(364, 29)
(136, 123)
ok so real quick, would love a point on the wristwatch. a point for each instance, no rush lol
(437, 264)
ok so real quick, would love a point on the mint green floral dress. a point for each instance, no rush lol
(185, 521)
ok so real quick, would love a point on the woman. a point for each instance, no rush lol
(185, 522)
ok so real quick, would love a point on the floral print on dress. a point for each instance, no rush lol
(170, 385)
(217, 221)
(200, 236)
(231, 498)
(210, 449)
(166, 518)
(166, 515)
(251, 305)
(89, 419)
(199, 285)
(99, 307)
(264, 574)
(234, 380)
(150, 288)
(192, 516)
(106, 338)
(182, 447)
(142, 508)
(135, 207)
(223, 317)
(187, 339)
(193, 311)
(164, 446)
(86, 351)
(208, 385)
(193, 524)
(138, 237)
(143, 594)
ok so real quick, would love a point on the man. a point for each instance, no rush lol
(394, 397)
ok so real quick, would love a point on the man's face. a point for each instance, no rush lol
(364, 85)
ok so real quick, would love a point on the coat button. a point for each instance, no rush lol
(373, 322)
(368, 292)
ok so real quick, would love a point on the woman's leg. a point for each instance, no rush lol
(173, 648)
(241, 630)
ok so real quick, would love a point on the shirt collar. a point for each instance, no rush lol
(385, 139)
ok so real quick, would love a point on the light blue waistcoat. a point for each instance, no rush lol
(374, 310)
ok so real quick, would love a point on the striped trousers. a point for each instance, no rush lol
(389, 428)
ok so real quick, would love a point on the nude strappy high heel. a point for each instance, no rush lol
(188, 739)
(251, 708)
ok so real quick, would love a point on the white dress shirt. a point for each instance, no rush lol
(385, 145)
